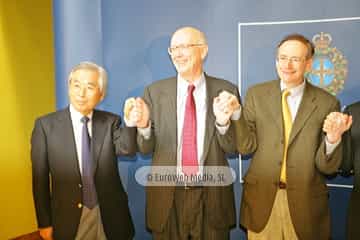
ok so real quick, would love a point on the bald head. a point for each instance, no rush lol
(188, 34)
(188, 49)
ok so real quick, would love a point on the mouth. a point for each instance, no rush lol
(81, 102)
(287, 72)
(181, 62)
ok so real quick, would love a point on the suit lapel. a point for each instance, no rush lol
(170, 112)
(211, 93)
(274, 105)
(66, 134)
(98, 133)
(307, 106)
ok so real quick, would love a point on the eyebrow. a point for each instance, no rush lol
(283, 55)
(92, 84)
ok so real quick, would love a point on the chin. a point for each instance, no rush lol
(182, 69)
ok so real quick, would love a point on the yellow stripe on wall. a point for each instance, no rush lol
(27, 90)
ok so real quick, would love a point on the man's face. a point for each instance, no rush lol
(84, 90)
(187, 55)
(291, 63)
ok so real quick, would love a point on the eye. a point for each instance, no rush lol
(295, 59)
(283, 58)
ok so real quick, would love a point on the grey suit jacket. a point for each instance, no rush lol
(219, 201)
(260, 131)
(56, 175)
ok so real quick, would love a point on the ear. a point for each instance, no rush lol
(102, 97)
(276, 62)
(308, 65)
(204, 51)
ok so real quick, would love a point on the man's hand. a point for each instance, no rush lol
(335, 125)
(224, 106)
(46, 233)
(136, 113)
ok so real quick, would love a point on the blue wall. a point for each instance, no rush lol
(130, 38)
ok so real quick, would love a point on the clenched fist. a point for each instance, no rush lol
(335, 125)
(224, 106)
(136, 113)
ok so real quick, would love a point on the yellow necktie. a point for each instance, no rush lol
(287, 128)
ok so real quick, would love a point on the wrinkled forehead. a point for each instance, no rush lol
(293, 47)
(182, 37)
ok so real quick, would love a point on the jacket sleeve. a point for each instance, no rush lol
(124, 139)
(227, 140)
(347, 165)
(329, 164)
(40, 176)
(245, 127)
(146, 145)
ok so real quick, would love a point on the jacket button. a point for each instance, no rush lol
(80, 186)
(79, 205)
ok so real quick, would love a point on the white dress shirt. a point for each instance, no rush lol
(294, 99)
(77, 128)
(200, 102)
(201, 112)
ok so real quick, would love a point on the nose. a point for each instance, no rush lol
(82, 91)
(290, 62)
(177, 54)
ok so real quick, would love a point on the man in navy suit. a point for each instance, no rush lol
(76, 184)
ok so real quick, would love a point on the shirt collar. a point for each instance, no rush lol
(76, 115)
(183, 84)
(295, 91)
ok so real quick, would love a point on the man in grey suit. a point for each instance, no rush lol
(187, 131)
(285, 194)
(76, 184)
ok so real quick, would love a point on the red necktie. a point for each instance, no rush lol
(189, 143)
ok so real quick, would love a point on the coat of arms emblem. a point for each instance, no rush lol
(329, 67)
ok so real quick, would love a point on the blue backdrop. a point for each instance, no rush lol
(130, 39)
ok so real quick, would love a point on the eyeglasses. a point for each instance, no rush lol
(282, 59)
(183, 48)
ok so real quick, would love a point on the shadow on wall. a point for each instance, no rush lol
(157, 53)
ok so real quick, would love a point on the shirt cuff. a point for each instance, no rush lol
(222, 128)
(330, 147)
(129, 123)
(145, 132)
(236, 114)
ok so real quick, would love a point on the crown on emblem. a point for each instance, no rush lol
(322, 40)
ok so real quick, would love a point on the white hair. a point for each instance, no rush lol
(102, 79)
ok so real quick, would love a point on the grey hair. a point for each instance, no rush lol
(102, 80)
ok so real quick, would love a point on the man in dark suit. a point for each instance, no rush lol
(351, 165)
(76, 184)
(285, 194)
(187, 131)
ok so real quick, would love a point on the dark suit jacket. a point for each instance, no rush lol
(351, 165)
(219, 201)
(260, 131)
(56, 176)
